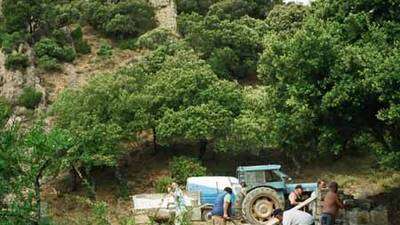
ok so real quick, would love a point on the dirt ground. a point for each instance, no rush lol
(356, 175)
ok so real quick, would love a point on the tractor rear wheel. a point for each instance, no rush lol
(259, 204)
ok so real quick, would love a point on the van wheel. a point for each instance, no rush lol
(206, 215)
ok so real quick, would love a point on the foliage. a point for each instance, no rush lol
(127, 44)
(24, 159)
(122, 19)
(77, 34)
(155, 38)
(30, 98)
(105, 50)
(198, 6)
(60, 36)
(286, 19)
(162, 184)
(186, 101)
(5, 110)
(99, 128)
(324, 98)
(82, 47)
(238, 42)
(48, 63)
(232, 9)
(11, 41)
(50, 48)
(182, 168)
(16, 61)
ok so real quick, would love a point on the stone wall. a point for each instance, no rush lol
(357, 212)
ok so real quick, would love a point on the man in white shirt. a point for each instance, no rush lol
(293, 217)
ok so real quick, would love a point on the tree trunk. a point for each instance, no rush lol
(37, 190)
(296, 164)
(203, 148)
(122, 183)
(75, 177)
(155, 148)
(88, 181)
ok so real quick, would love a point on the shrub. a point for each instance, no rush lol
(198, 6)
(10, 42)
(5, 110)
(183, 167)
(127, 44)
(51, 48)
(48, 63)
(48, 47)
(82, 47)
(162, 184)
(60, 36)
(123, 19)
(105, 50)
(68, 54)
(153, 39)
(30, 98)
(77, 34)
(16, 61)
(232, 9)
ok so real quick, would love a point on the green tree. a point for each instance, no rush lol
(328, 81)
(230, 46)
(100, 129)
(191, 102)
(122, 19)
(287, 19)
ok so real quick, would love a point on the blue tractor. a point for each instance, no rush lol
(267, 188)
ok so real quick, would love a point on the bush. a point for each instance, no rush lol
(151, 40)
(105, 50)
(232, 9)
(198, 6)
(16, 61)
(68, 54)
(127, 44)
(47, 47)
(121, 20)
(30, 98)
(82, 47)
(11, 42)
(60, 36)
(52, 49)
(5, 110)
(162, 184)
(77, 34)
(183, 167)
(48, 63)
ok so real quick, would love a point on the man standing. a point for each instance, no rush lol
(223, 207)
(313, 205)
(331, 205)
(295, 196)
(180, 207)
(293, 217)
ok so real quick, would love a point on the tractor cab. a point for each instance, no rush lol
(263, 175)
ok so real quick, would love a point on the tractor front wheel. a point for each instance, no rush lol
(259, 204)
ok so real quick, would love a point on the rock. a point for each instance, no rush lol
(357, 217)
(379, 216)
